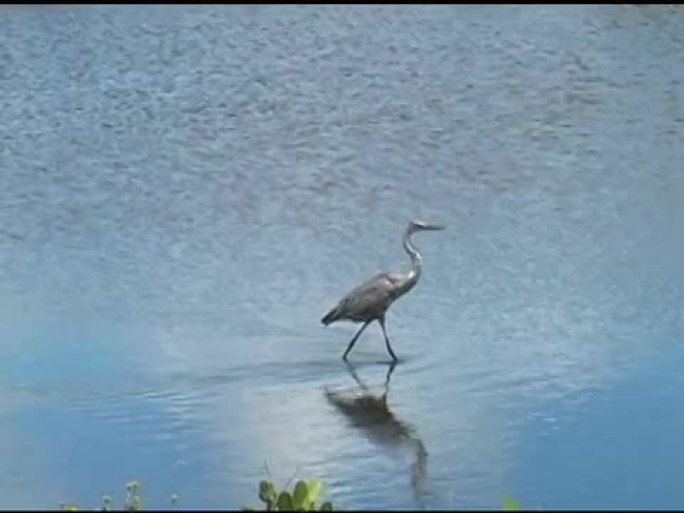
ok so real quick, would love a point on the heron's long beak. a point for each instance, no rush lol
(433, 227)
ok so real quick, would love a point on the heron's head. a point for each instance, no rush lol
(417, 226)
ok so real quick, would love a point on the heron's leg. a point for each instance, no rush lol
(384, 332)
(353, 341)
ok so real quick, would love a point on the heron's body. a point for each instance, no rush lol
(369, 301)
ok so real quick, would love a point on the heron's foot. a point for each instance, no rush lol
(391, 362)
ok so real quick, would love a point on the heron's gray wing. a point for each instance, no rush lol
(369, 299)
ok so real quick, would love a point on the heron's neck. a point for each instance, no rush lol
(416, 259)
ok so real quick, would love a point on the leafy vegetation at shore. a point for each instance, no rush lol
(305, 496)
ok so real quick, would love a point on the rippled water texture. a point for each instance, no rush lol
(187, 189)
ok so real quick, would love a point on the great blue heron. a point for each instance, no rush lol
(369, 301)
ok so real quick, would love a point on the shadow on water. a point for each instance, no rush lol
(371, 414)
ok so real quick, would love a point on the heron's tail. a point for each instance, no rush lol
(331, 316)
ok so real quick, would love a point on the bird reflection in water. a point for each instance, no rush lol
(371, 414)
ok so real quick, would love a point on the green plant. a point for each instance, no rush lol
(511, 504)
(106, 502)
(133, 497)
(304, 497)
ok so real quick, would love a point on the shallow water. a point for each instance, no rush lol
(187, 189)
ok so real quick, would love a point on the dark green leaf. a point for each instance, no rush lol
(285, 502)
(300, 495)
(267, 492)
